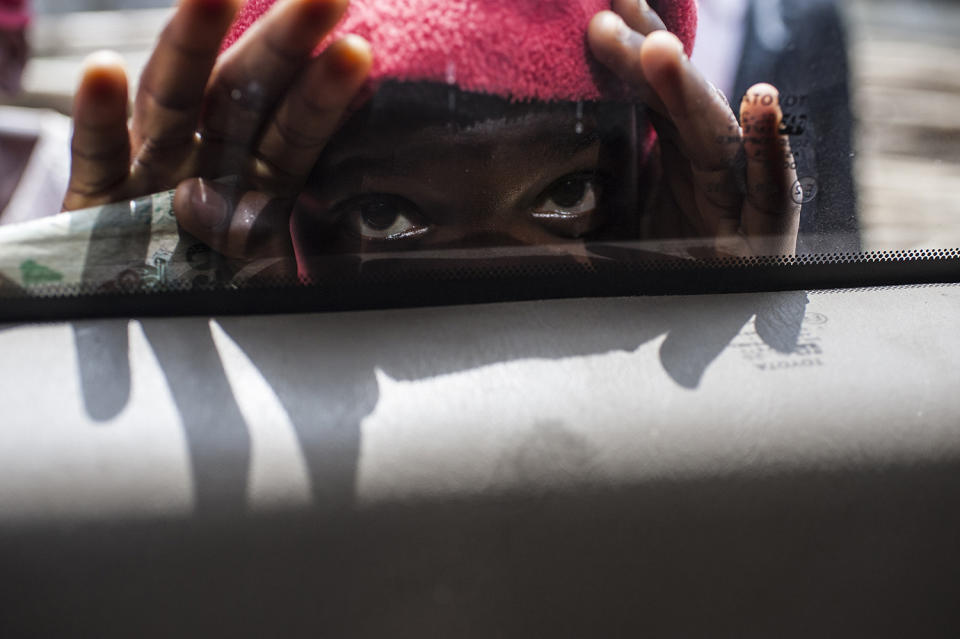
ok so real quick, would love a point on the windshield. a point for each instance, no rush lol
(226, 145)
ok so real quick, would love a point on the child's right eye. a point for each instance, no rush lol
(382, 217)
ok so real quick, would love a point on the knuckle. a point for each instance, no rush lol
(279, 50)
(172, 98)
(101, 187)
(110, 155)
(162, 150)
(270, 176)
(294, 137)
(233, 92)
(315, 106)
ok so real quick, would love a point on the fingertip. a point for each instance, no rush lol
(351, 55)
(761, 96)
(104, 72)
(662, 49)
(662, 58)
(105, 58)
(760, 110)
(613, 42)
(605, 26)
(101, 97)
(199, 207)
(764, 88)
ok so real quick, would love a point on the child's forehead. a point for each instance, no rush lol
(555, 133)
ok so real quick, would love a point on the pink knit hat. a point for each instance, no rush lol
(14, 14)
(517, 49)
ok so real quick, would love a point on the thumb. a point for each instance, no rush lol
(243, 225)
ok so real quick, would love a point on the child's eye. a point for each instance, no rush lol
(571, 195)
(569, 206)
(382, 218)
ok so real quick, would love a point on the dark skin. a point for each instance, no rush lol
(267, 109)
(530, 180)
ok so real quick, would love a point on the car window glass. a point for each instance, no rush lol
(227, 145)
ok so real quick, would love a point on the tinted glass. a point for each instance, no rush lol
(307, 142)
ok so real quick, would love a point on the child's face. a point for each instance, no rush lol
(540, 178)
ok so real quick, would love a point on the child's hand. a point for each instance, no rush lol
(705, 189)
(262, 112)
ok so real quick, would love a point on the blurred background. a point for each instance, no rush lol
(68, 6)
(906, 104)
(904, 85)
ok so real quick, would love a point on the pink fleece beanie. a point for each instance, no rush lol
(14, 15)
(517, 49)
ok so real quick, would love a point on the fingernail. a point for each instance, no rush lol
(209, 207)
(642, 4)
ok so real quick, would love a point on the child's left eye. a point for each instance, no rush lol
(384, 217)
(569, 206)
(571, 195)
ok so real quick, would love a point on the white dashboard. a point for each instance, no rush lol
(424, 470)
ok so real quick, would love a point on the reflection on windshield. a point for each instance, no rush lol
(425, 129)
